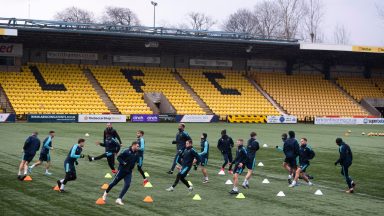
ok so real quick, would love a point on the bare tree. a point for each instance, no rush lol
(74, 14)
(268, 18)
(291, 12)
(242, 21)
(200, 21)
(341, 35)
(120, 16)
(313, 17)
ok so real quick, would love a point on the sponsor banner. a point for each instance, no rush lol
(145, 118)
(349, 121)
(167, 118)
(210, 63)
(7, 117)
(197, 118)
(8, 32)
(72, 55)
(368, 49)
(283, 119)
(247, 118)
(136, 59)
(52, 118)
(102, 118)
(11, 49)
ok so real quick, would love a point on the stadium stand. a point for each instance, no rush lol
(359, 87)
(227, 92)
(51, 89)
(379, 82)
(307, 95)
(126, 87)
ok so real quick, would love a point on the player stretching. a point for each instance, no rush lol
(31, 146)
(112, 147)
(181, 138)
(140, 140)
(69, 164)
(45, 153)
(305, 154)
(345, 160)
(204, 156)
(186, 158)
(127, 160)
(240, 160)
(252, 148)
(225, 145)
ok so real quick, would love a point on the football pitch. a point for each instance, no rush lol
(38, 198)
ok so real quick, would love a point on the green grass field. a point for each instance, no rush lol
(38, 198)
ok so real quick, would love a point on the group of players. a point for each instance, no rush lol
(296, 161)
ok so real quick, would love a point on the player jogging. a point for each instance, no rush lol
(140, 140)
(186, 159)
(112, 147)
(181, 138)
(204, 156)
(111, 131)
(225, 145)
(45, 153)
(31, 146)
(69, 164)
(305, 154)
(345, 160)
(240, 161)
(127, 160)
(252, 148)
(291, 151)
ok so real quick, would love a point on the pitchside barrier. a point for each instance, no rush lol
(7, 117)
(247, 119)
(197, 118)
(63, 118)
(173, 118)
(102, 118)
(283, 119)
(348, 121)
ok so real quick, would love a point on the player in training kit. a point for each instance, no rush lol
(204, 156)
(305, 154)
(111, 131)
(31, 146)
(240, 161)
(112, 147)
(181, 138)
(69, 164)
(45, 153)
(345, 160)
(186, 159)
(252, 148)
(225, 145)
(127, 160)
(291, 150)
(140, 140)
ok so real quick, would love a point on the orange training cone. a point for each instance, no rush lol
(148, 199)
(28, 178)
(56, 188)
(104, 187)
(100, 201)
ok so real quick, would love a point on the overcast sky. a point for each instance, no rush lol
(359, 17)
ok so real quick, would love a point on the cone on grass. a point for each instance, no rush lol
(228, 182)
(319, 193)
(240, 196)
(265, 181)
(221, 172)
(280, 194)
(146, 175)
(196, 197)
(108, 176)
(265, 145)
(104, 186)
(56, 188)
(148, 185)
(100, 201)
(260, 164)
(148, 199)
(28, 178)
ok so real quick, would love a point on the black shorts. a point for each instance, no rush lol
(28, 157)
(250, 163)
(304, 167)
(45, 157)
(204, 161)
(291, 162)
(238, 169)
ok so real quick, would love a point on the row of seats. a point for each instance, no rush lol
(359, 87)
(307, 95)
(26, 93)
(227, 92)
